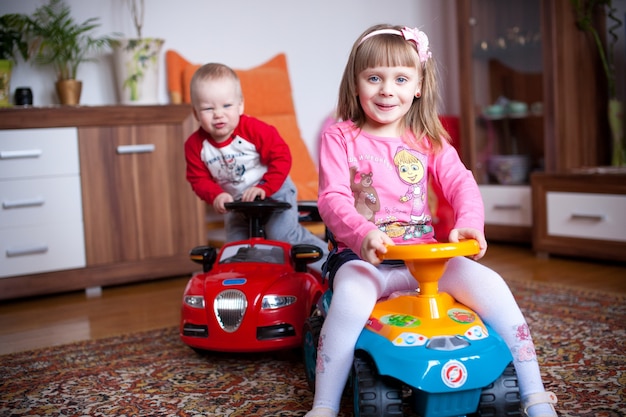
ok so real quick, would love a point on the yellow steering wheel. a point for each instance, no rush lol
(427, 251)
(427, 261)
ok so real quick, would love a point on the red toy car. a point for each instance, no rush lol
(255, 294)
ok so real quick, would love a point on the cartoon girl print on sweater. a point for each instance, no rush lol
(412, 171)
(366, 199)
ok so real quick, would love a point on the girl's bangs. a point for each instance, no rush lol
(386, 51)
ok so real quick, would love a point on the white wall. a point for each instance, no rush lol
(315, 35)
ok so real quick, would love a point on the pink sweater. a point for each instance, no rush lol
(369, 182)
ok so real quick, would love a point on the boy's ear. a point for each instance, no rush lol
(241, 107)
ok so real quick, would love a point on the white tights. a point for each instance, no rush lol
(357, 286)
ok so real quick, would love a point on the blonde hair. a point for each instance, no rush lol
(405, 157)
(392, 50)
(213, 71)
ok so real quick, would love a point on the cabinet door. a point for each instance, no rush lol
(136, 200)
(530, 51)
(503, 89)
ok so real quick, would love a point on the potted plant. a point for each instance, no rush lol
(12, 45)
(60, 41)
(137, 63)
(585, 12)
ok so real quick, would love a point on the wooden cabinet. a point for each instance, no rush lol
(508, 209)
(528, 57)
(580, 214)
(41, 222)
(133, 181)
(140, 215)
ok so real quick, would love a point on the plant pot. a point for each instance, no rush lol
(69, 91)
(5, 82)
(137, 70)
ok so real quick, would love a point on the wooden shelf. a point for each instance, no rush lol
(77, 116)
(571, 130)
(140, 215)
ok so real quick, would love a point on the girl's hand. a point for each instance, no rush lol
(375, 242)
(220, 200)
(463, 233)
(252, 193)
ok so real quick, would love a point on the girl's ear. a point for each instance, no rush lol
(420, 83)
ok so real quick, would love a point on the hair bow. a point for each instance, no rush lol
(421, 42)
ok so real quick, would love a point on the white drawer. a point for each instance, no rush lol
(38, 152)
(508, 205)
(586, 215)
(35, 249)
(40, 201)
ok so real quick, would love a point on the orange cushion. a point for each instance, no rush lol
(267, 96)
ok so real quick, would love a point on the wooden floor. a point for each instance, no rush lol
(60, 319)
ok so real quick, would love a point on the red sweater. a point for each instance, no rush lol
(255, 155)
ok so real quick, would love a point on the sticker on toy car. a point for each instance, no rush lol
(461, 316)
(454, 374)
(401, 320)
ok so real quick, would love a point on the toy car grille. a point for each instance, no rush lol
(229, 307)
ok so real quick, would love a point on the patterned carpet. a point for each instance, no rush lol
(581, 338)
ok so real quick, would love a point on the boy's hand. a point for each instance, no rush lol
(463, 233)
(220, 200)
(375, 242)
(252, 193)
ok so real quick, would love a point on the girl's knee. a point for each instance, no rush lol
(465, 273)
(358, 275)
(465, 266)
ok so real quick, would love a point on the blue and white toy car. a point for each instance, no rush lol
(424, 351)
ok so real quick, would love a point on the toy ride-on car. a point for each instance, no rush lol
(255, 294)
(423, 351)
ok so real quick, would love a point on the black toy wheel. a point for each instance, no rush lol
(311, 337)
(374, 396)
(501, 398)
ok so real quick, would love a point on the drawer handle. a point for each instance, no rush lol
(26, 153)
(27, 250)
(126, 149)
(588, 217)
(29, 202)
(507, 207)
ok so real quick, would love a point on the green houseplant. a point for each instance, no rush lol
(585, 10)
(12, 45)
(137, 63)
(58, 40)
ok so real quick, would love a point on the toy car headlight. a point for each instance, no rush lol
(195, 301)
(277, 301)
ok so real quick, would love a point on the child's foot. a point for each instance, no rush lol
(321, 412)
(539, 404)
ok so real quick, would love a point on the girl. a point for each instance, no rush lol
(391, 140)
